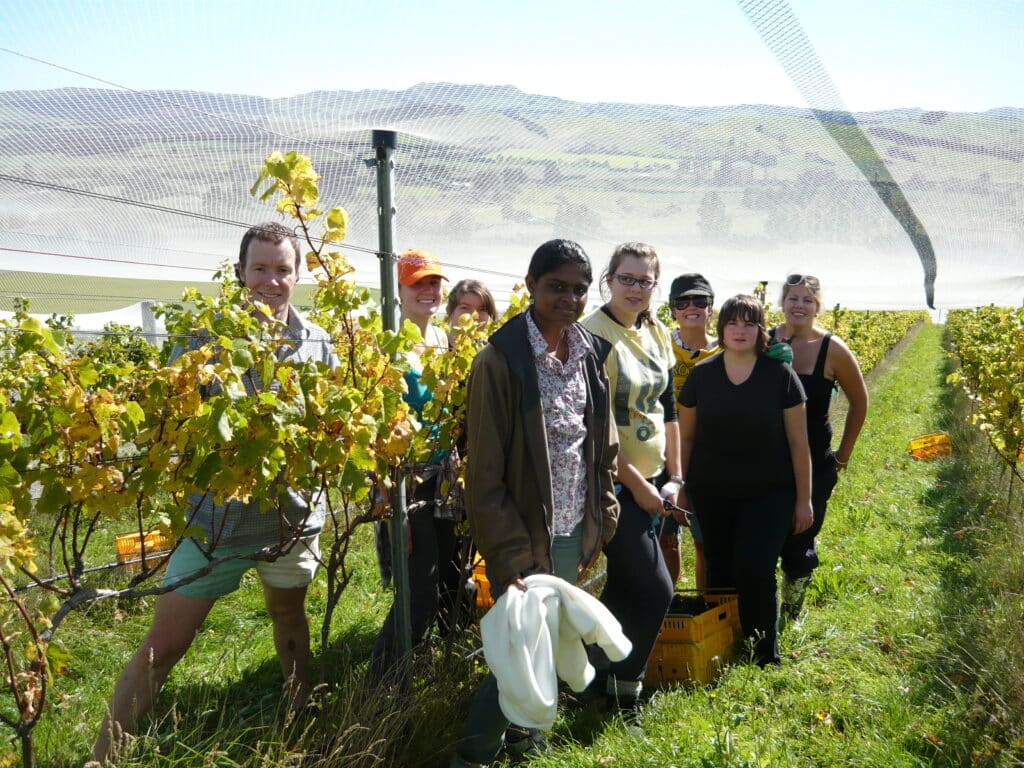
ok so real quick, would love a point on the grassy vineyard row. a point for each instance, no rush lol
(106, 435)
(989, 345)
(870, 334)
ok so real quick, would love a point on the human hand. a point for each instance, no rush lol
(681, 512)
(670, 491)
(650, 500)
(803, 516)
(517, 582)
(584, 568)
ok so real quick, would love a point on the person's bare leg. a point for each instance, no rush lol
(176, 620)
(287, 609)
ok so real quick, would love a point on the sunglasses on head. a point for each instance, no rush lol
(809, 280)
(700, 302)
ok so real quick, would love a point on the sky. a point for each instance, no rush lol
(934, 54)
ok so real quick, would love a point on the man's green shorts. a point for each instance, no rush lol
(292, 570)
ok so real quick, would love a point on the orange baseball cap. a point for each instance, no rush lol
(414, 265)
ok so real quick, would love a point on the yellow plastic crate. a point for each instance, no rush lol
(931, 446)
(699, 662)
(484, 598)
(683, 626)
(129, 548)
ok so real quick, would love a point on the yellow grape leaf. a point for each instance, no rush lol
(337, 225)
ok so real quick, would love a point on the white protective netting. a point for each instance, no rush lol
(103, 179)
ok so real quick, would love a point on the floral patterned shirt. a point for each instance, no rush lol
(563, 396)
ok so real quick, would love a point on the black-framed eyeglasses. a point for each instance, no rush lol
(629, 281)
(578, 290)
(700, 302)
(809, 280)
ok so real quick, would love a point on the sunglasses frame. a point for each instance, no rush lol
(792, 281)
(682, 302)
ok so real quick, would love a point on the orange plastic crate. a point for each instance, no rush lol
(931, 446)
(484, 598)
(699, 662)
(129, 548)
(722, 610)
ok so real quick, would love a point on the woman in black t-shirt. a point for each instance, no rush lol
(743, 435)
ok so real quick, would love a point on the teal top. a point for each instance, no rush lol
(418, 394)
(417, 397)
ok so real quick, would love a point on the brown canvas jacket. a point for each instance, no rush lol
(508, 480)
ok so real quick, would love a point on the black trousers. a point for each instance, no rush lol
(638, 588)
(743, 539)
(800, 552)
(434, 581)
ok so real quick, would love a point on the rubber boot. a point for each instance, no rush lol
(793, 592)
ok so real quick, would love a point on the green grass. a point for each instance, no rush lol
(909, 653)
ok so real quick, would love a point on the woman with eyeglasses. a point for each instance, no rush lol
(748, 471)
(539, 492)
(692, 302)
(823, 362)
(638, 589)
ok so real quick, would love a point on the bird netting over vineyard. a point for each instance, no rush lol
(113, 185)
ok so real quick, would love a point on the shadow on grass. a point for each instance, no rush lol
(247, 722)
(972, 672)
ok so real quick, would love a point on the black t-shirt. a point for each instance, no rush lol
(740, 448)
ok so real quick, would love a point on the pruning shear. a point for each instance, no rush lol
(657, 521)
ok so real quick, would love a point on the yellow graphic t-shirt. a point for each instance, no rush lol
(639, 369)
(686, 359)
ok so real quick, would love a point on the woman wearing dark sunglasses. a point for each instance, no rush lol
(692, 302)
(638, 589)
(823, 362)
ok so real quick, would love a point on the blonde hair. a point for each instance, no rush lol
(810, 282)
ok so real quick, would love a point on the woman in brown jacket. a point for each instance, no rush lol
(537, 420)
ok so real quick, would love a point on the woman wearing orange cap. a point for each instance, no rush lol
(431, 541)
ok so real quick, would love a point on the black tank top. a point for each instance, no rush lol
(819, 396)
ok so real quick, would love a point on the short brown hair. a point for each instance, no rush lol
(475, 287)
(269, 232)
(745, 308)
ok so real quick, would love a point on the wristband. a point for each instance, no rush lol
(669, 488)
(843, 464)
(677, 479)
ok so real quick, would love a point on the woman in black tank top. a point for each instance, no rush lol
(824, 363)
